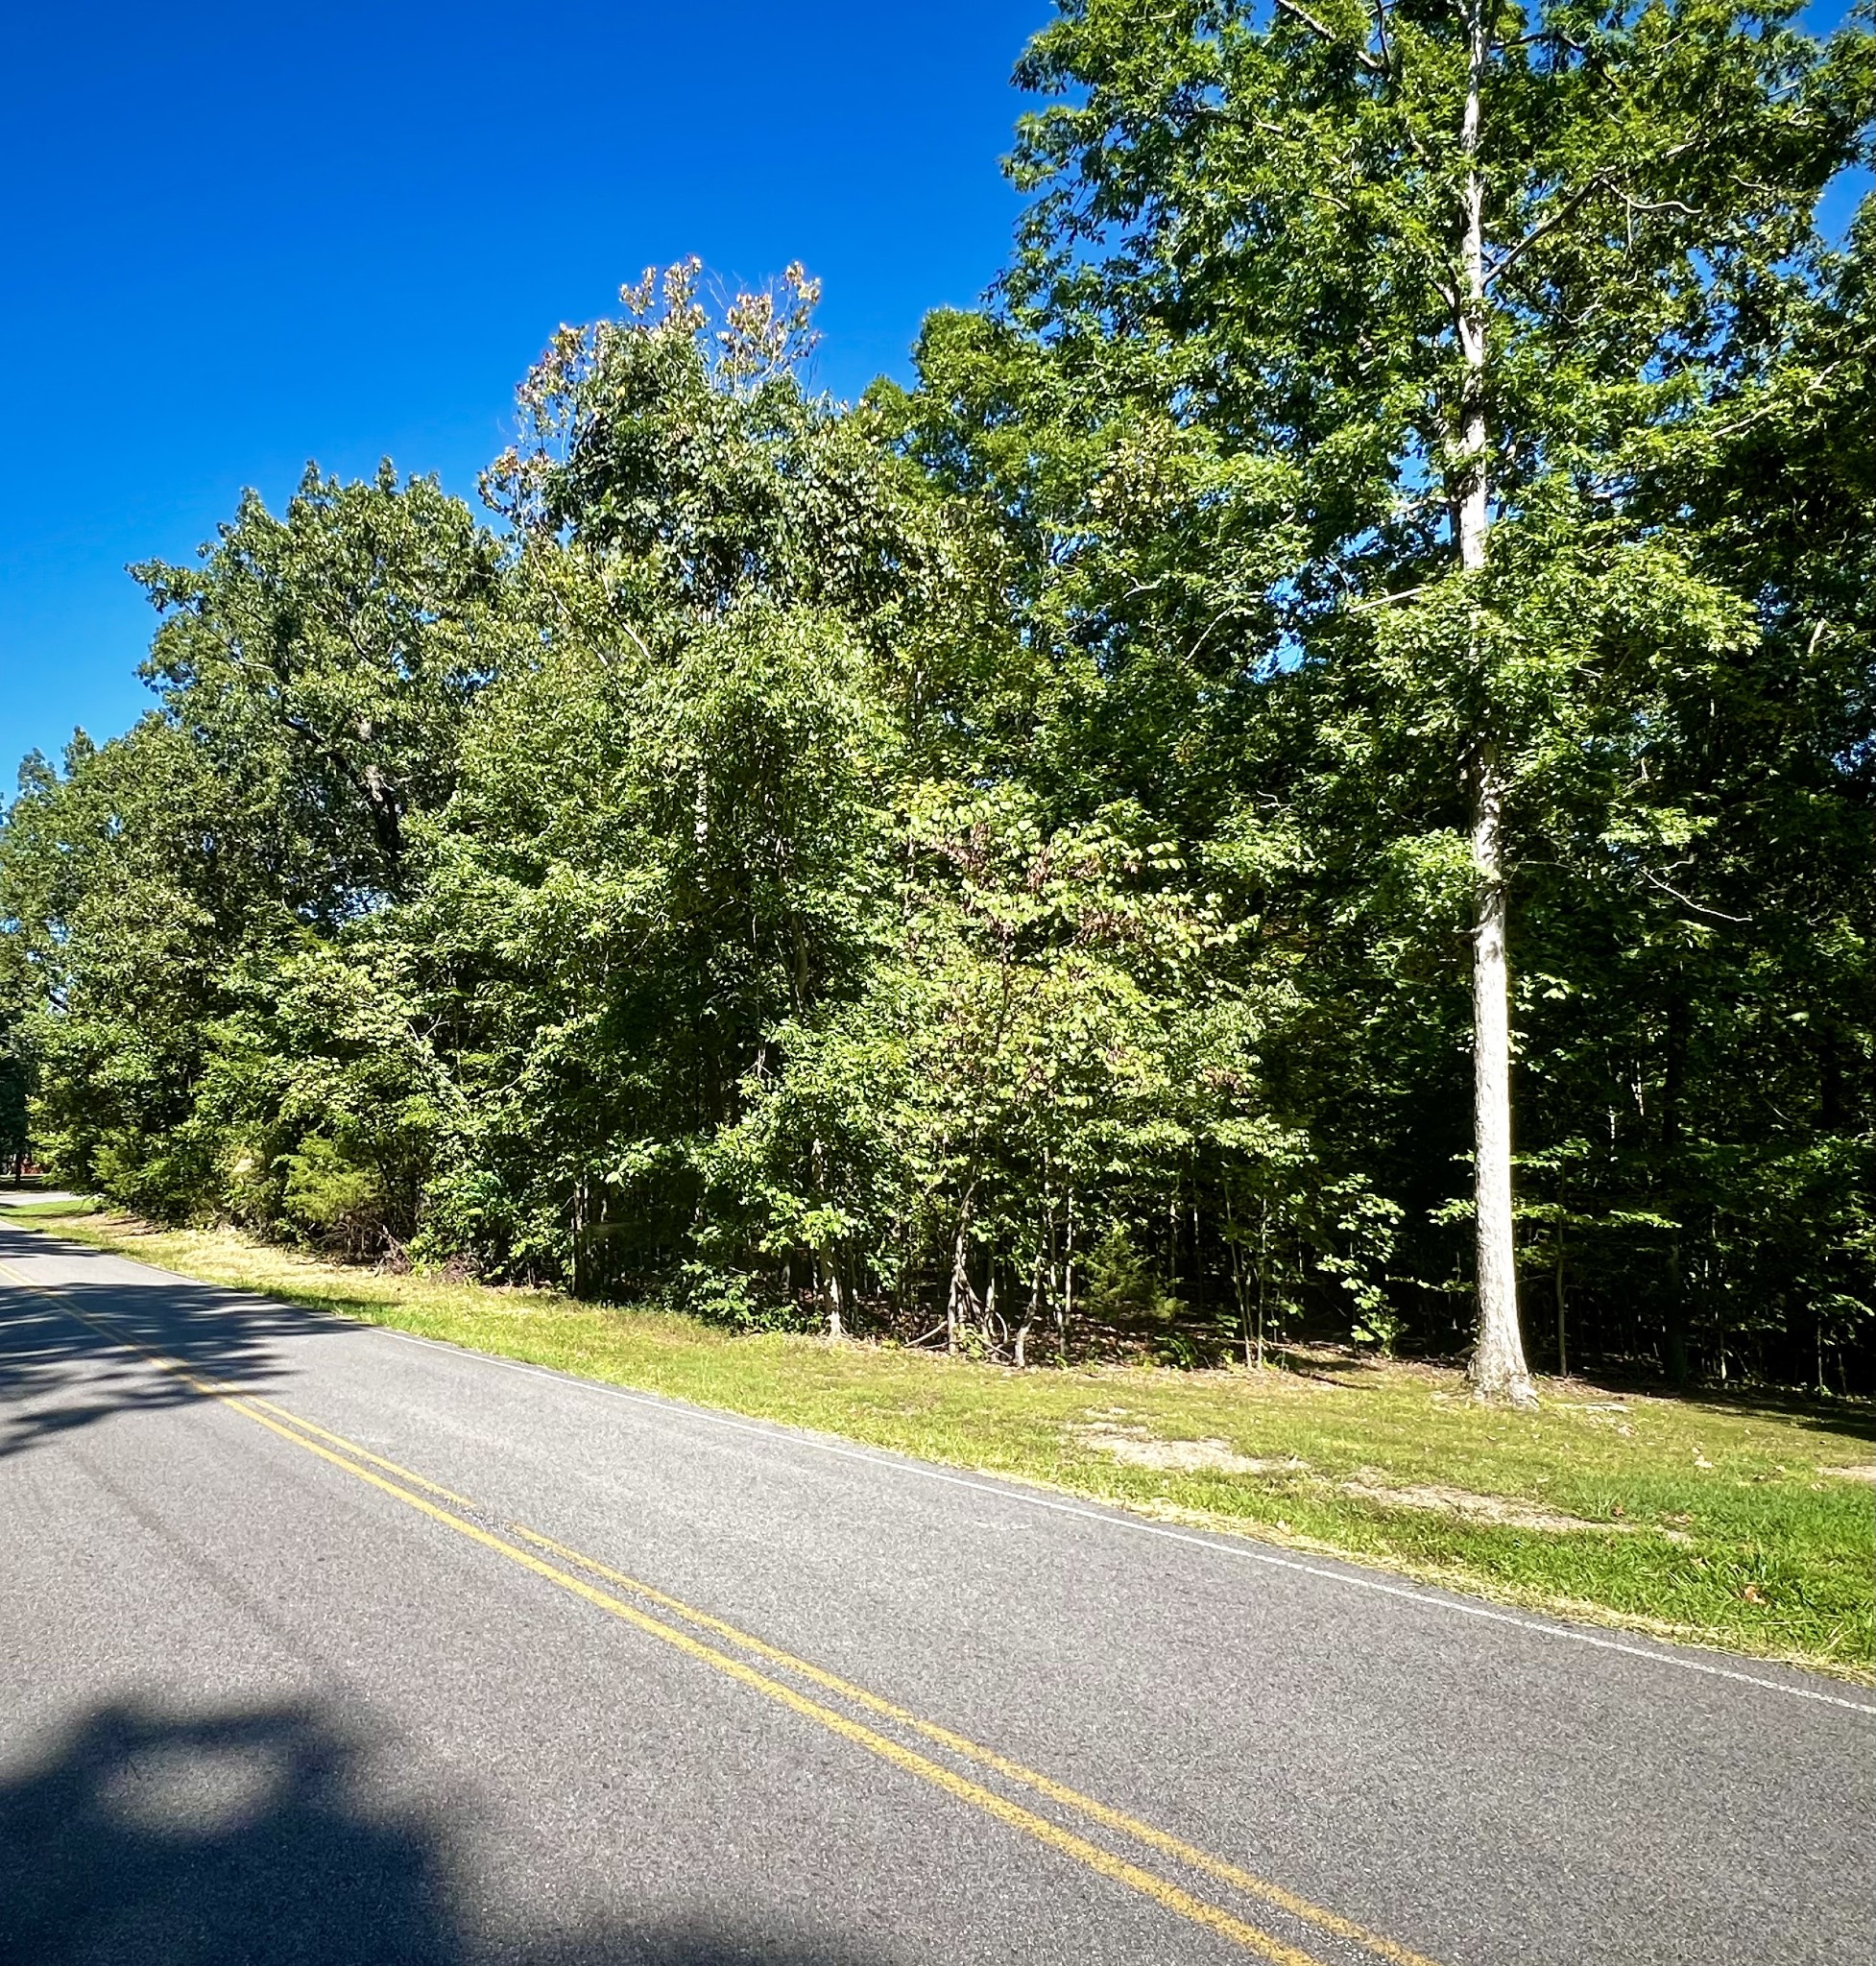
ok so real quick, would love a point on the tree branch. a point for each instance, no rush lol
(1712, 914)
(1327, 33)
(1601, 180)
(1563, 213)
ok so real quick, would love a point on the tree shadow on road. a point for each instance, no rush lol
(250, 1836)
(58, 1372)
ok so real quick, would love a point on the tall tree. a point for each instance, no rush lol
(1073, 851)
(335, 647)
(314, 670)
(1470, 268)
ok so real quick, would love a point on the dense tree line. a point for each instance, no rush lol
(1315, 774)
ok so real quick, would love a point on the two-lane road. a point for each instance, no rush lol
(323, 1643)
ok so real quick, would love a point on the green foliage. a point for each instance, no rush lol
(1122, 1288)
(324, 660)
(994, 861)
(16, 1134)
(330, 1196)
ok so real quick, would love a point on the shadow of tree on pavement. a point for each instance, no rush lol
(248, 1835)
(59, 1374)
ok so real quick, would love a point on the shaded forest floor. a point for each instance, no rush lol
(1743, 1523)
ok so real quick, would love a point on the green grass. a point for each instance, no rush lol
(44, 1212)
(1741, 1523)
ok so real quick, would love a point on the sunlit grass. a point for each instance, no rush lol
(1739, 1523)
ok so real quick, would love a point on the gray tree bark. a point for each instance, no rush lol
(1499, 1371)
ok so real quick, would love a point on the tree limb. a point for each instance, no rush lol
(1563, 213)
(1328, 34)
(1712, 914)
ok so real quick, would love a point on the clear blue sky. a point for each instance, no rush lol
(242, 236)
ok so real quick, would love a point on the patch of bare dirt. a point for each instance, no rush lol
(1500, 1511)
(1138, 1447)
(1862, 1471)
(1437, 1498)
(1135, 1448)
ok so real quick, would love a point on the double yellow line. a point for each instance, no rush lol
(524, 1547)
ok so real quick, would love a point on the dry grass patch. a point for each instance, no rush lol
(1492, 1508)
(1135, 1448)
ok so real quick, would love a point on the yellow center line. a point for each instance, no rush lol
(960, 1744)
(223, 1390)
(1200, 1912)
(351, 1447)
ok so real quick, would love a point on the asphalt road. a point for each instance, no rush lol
(324, 1643)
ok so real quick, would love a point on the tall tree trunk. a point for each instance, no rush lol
(1497, 1361)
(1563, 1348)
(1031, 1311)
(579, 1237)
(1676, 1357)
(1499, 1371)
(1066, 1311)
(837, 1328)
(961, 1299)
(1262, 1271)
(1239, 1295)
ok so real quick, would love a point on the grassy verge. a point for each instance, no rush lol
(1743, 1524)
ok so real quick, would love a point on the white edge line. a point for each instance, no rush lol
(1117, 1517)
